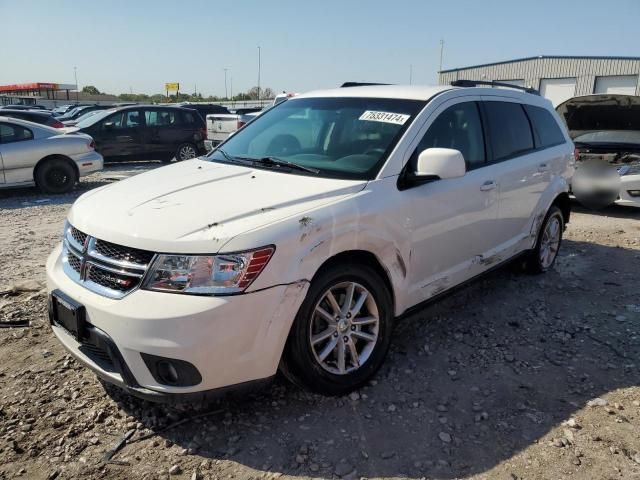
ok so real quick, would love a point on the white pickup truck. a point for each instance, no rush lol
(220, 126)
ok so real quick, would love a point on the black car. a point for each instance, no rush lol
(23, 107)
(205, 109)
(146, 132)
(36, 116)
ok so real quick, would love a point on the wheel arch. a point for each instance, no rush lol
(563, 202)
(360, 257)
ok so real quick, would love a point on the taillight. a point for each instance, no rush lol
(576, 154)
(240, 124)
(57, 124)
(203, 132)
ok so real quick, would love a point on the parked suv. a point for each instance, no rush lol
(142, 132)
(297, 242)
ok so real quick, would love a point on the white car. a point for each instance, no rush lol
(605, 129)
(31, 153)
(298, 241)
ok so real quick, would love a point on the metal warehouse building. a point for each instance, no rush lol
(558, 77)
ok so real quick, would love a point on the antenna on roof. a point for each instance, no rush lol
(475, 83)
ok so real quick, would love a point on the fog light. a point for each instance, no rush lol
(171, 371)
(167, 373)
(634, 193)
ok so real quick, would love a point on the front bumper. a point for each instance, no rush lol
(629, 183)
(232, 341)
(88, 162)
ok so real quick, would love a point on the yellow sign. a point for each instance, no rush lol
(172, 87)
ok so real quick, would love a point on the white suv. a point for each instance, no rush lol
(298, 241)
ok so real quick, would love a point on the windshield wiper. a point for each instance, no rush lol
(278, 162)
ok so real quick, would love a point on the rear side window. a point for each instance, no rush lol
(458, 127)
(545, 127)
(14, 133)
(189, 118)
(509, 129)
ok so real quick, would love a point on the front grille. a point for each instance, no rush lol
(114, 281)
(103, 267)
(126, 254)
(75, 262)
(78, 236)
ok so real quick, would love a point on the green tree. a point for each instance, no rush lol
(91, 90)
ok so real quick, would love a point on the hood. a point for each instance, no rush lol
(197, 206)
(596, 113)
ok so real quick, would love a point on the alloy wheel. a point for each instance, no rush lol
(344, 328)
(187, 152)
(550, 241)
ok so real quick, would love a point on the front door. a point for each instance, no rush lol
(119, 134)
(453, 222)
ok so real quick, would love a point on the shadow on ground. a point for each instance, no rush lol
(468, 383)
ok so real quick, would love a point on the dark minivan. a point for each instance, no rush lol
(146, 132)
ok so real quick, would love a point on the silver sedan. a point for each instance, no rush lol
(32, 153)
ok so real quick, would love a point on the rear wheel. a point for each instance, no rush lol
(342, 332)
(56, 175)
(545, 252)
(186, 151)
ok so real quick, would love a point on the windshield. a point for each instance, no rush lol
(91, 119)
(630, 137)
(87, 115)
(335, 137)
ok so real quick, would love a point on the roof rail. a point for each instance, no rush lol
(360, 84)
(475, 83)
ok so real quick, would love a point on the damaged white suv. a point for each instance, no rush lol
(298, 241)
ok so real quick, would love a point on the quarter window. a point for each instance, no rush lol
(14, 133)
(459, 127)
(509, 129)
(546, 128)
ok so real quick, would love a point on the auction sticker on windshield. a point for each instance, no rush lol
(386, 117)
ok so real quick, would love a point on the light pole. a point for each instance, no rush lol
(225, 84)
(410, 74)
(75, 74)
(231, 87)
(259, 66)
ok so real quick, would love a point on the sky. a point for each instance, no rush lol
(137, 45)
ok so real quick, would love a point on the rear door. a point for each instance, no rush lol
(167, 128)
(523, 173)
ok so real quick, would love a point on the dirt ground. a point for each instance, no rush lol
(514, 377)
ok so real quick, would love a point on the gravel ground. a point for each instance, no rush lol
(514, 377)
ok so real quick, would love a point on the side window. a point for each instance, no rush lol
(188, 117)
(458, 127)
(546, 128)
(14, 133)
(509, 129)
(121, 120)
(160, 118)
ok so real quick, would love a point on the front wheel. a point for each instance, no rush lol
(342, 332)
(545, 252)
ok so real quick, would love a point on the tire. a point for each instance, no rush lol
(186, 151)
(545, 252)
(317, 367)
(55, 176)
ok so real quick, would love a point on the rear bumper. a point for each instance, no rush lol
(629, 185)
(88, 162)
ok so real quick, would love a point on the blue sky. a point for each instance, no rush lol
(118, 45)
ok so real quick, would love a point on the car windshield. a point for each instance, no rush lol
(87, 115)
(340, 137)
(627, 137)
(91, 119)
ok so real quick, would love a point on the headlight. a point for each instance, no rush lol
(221, 274)
(633, 169)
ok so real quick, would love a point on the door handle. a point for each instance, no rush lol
(543, 167)
(488, 185)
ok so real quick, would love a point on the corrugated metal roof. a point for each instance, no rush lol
(524, 59)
